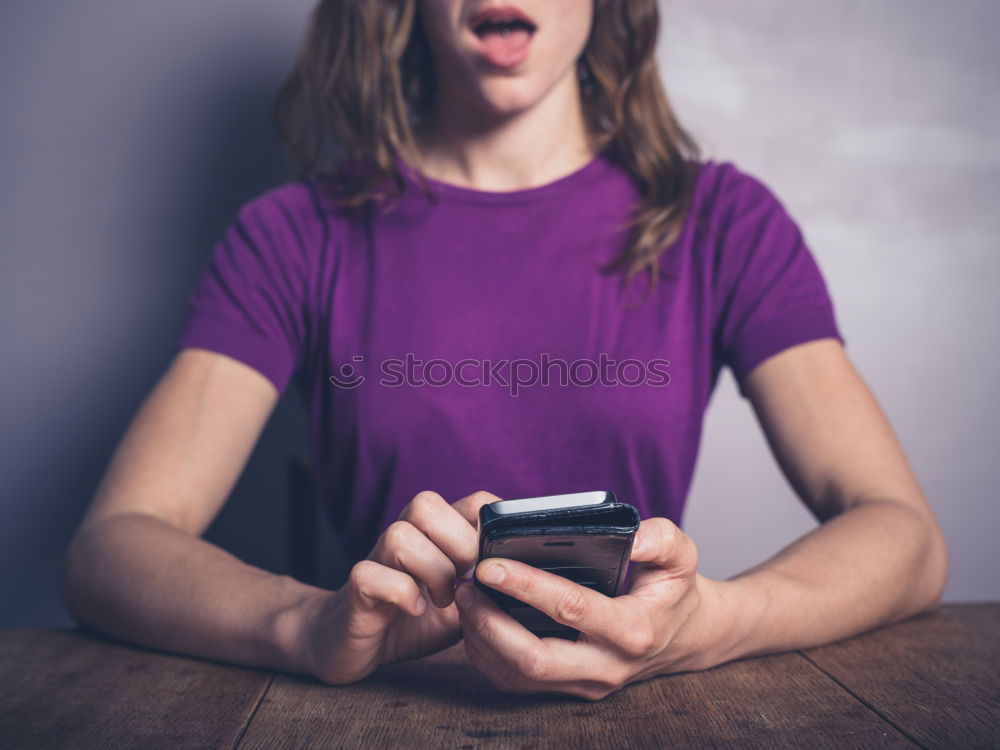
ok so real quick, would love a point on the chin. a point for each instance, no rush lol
(510, 96)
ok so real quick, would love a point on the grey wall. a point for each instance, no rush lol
(876, 124)
(131, 132)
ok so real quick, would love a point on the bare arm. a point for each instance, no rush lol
(878, 556)
(137, 568)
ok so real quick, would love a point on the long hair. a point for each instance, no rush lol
(365, 80)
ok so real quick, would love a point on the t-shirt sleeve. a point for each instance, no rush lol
(249, 300)
(769, 292)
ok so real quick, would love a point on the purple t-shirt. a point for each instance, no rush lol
(474, 343)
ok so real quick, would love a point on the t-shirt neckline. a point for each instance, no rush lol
(597, 164)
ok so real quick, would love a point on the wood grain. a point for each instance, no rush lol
(67, 689)
(932, 682)
(442, 701)
(936, 677)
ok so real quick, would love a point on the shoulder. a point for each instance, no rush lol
(728, 198)
(296, 218)
(298, 203)
(742, 230)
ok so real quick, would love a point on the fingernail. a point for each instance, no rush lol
(493, 574)
(463, 594)
(421, 605)
(467, 575)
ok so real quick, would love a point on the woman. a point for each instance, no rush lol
(513, 204)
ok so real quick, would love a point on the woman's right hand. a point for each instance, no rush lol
(399, 602)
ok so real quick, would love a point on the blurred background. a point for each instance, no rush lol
(132, 132)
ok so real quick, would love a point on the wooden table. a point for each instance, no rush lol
(930, 682)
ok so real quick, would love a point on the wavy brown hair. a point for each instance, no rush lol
(365, 81)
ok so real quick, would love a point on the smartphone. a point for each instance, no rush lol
(583, 536)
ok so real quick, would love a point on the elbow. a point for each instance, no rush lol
(920, 561)
(74, 582)
(936, 573)
(69, 580)
(930, 568)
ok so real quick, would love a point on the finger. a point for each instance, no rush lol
(488, 661)
(515, 659)
(566, 602)
(371, 585)
(661, 544)
(505, 675)
(509, 652)
(445, 526)
(468, 507)
(405, 547)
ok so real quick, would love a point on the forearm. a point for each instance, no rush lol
(136, 577)
(874, 564)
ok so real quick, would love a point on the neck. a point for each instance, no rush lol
(481, 150)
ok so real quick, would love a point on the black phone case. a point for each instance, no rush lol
(589, 545)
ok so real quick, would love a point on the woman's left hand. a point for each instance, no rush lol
(659, 626)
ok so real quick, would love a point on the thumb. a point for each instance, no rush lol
(661, 544)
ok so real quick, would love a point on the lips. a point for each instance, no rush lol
(502, 16)
(502, 35)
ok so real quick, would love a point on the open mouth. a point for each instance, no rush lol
(504, 35)
(502, 26)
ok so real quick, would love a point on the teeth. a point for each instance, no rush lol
(505, 26)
